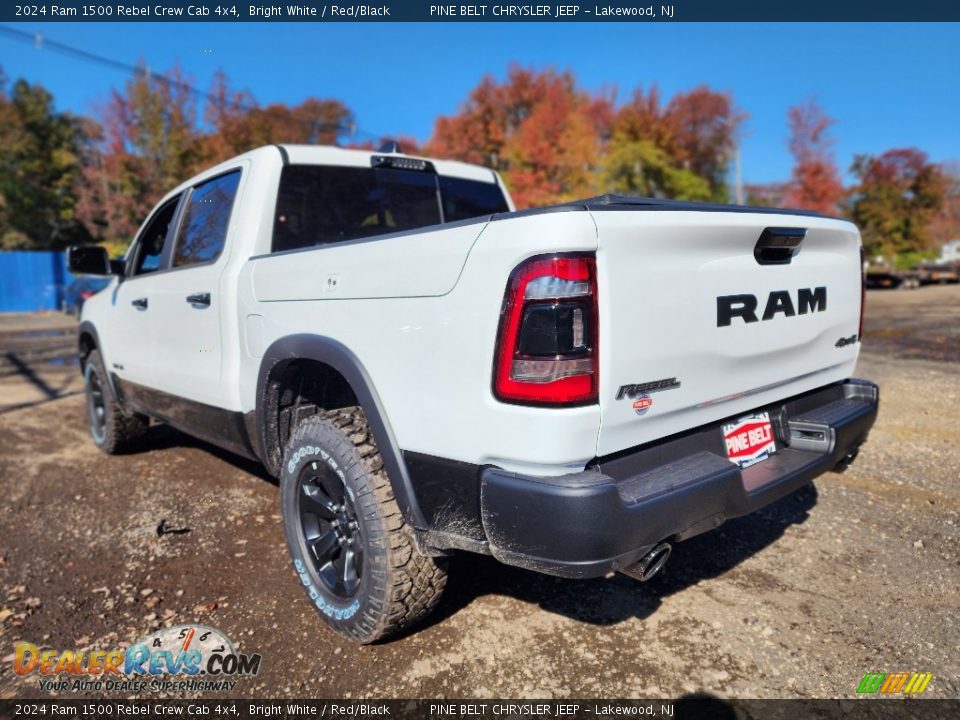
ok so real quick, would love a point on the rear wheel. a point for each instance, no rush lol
(113, 431)
(353, 552)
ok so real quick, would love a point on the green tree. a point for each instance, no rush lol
(692, 137)
(898, 194)
(641, 168)
(39, 170)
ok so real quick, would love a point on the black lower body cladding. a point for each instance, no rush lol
(607, 517)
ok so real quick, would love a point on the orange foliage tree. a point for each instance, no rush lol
(149, 144)
(553, 141)
(541, 131)
(238, 123)
(815, 183)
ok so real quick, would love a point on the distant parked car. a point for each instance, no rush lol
(79, 290)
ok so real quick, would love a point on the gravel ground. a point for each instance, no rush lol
(859, 573)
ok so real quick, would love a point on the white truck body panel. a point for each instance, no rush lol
(422, 264)
(660, 274)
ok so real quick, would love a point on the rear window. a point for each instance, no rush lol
(318, 205)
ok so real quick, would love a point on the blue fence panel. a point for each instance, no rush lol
(31, 281)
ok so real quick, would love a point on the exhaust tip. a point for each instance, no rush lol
(650, 564)
(847, 461)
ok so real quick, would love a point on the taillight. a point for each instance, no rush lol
(547, 343)
(863, 291)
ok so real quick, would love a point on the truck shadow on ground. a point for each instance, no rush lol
(164, 437)
(606, 601)
(600, 601)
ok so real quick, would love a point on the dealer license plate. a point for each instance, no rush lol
(749, 440)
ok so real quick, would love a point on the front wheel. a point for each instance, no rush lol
(352, 551)
(112, 430)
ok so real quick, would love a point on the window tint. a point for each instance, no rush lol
(464, 199)
(203, 231)
(153, 239)
(317, 205)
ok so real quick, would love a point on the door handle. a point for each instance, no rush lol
(139, 303)
(199, 299)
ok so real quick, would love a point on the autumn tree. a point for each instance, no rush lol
(39, 170)
(704, 126)
(538, 128)
(815, 183)
(238, 123)
(408, 145)
(552, 154)
(945, 225)
(150, 144)
(896, 197)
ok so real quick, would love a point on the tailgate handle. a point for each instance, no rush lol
(777, 246)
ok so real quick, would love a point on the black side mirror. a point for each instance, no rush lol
(88, 260)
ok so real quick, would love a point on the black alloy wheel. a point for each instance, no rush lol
(331, 530)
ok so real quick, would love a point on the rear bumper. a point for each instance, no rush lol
(594, 522)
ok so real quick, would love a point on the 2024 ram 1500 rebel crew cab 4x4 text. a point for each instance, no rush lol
(568, 389)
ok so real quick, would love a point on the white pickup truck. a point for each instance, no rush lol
(568, 389)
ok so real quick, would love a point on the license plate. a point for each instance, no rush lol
(749, 440)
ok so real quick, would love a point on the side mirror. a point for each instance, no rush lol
(88, 260)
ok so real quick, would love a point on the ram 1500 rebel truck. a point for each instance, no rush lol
(427, 371)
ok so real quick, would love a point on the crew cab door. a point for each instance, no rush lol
(130, 343)
(189, 313)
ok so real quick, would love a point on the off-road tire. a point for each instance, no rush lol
(397, 585)
(113, 430)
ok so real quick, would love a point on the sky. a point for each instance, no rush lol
(887, 85)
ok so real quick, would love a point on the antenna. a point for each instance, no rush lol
(390, 146)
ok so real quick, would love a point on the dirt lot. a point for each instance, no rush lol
(801, 599)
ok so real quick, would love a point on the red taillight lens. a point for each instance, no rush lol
(863, 291)
(547, 344)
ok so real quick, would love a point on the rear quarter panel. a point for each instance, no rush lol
(425, 331)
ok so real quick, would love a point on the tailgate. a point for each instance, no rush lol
(695, 329)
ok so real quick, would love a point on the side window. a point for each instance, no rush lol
(318, 205)
(203, 231)
(463, 199)
(148, 255)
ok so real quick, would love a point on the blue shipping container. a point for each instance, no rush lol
(32, 280)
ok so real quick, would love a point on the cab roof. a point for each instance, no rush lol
(330, 155)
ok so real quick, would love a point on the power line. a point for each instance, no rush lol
(40, 42)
